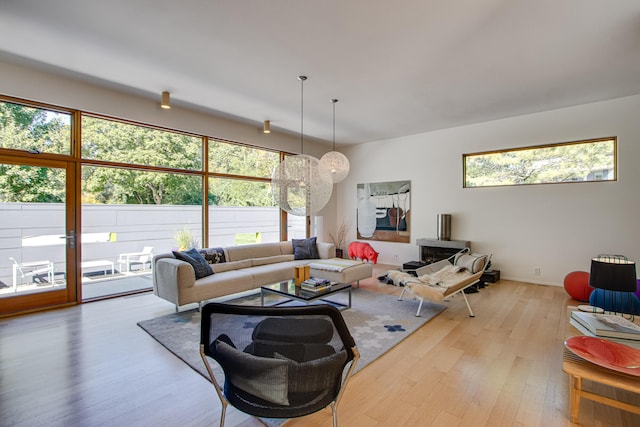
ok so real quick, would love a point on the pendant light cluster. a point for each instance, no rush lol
(302, 184)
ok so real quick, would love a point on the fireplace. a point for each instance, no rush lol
(433, 250)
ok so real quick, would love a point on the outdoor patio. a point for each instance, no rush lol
(93, 286)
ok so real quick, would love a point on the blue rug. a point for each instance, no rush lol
(377, 323)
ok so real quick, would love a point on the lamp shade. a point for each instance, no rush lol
(300, 185)
(337, 164)
(613, 274)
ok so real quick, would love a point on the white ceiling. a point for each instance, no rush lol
(397, 67)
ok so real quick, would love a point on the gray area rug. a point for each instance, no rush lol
(376, 321)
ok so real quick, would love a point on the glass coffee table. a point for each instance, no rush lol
(291, 292)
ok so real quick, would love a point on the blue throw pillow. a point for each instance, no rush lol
(305, 248)
(193, 257)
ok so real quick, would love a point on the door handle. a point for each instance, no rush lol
(71, 238)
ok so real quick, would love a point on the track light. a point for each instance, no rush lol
(267, 126)
(166, 101)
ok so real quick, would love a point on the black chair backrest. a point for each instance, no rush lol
(278, 362)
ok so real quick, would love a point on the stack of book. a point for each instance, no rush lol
(609, 326)
(315, 284)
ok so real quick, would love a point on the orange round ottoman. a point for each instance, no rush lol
(577, 286)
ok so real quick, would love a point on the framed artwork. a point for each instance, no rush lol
(384, 210)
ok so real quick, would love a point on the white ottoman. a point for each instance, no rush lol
(341, 270)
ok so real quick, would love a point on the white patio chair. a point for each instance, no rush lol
(128, 259)
(30, 269)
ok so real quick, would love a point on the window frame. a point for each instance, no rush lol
(613, 139)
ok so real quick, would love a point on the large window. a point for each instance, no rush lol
(34, 129)
(591, 160)
(241, 207)
(234, 159)
(114, 141)
(144, 190)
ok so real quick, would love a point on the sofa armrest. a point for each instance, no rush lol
(170, 275)
(326, 250)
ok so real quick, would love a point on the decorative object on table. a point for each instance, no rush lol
(590, 309)
(579, 369)
(336, 162)
(607, 325)
(605, 353)
(577, 286)
(444, 227)
(315, 284)
(363, 251)
(338, 239)
(615, 283)
(300, 185)
(301, 273)
(384, 211)
(287, 362)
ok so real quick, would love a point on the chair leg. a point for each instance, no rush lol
(402, 293)
(334, 414)
(223, 413)
(468, 306)
(419, 306)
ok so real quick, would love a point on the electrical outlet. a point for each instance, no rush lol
(536, 271)
(396, 257)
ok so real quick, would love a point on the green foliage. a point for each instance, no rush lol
(560, 163)
(120, 145)
(31, 184)
(239, 192)
(27, 128)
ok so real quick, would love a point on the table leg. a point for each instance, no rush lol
(574, 397)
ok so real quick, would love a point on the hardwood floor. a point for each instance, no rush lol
(91, 365)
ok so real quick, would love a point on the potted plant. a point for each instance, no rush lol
(185, 239)
(339, 237)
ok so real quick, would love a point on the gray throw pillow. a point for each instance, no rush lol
(200, 265)
(263, 377)
(305, 248)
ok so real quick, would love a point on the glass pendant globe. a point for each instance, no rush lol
(337, 164)
(300, 185)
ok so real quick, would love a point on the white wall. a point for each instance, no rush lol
(556, 227)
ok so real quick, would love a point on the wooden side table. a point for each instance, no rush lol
(579, 369)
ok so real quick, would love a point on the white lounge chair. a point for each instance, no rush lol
(128, 259)
(438, 281)
(30, 269)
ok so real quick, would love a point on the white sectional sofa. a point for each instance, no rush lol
(244, 268)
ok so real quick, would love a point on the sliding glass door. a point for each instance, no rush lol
(37, 233)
